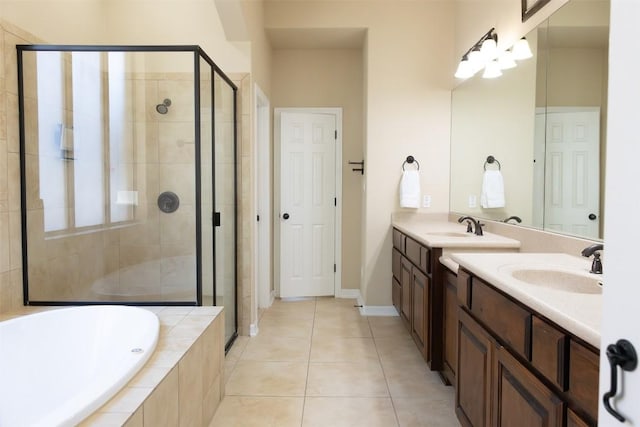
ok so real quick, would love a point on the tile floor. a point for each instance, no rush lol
(317, 362)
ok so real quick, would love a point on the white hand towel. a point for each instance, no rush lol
(410, 189)
(492, 190)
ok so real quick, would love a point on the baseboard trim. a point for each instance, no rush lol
(349, 293)
(376, 310)
(253, 330)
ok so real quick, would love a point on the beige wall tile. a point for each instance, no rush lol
(13, 130)
(107, 419)
(136, 420)
(5, 239)
(190, 386)
(162, 408)
(212, 352)
(13, 182)
(211, 400)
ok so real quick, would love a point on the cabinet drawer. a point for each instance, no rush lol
(583, 378)
(398, 240)
(425, 259)
(413, 251)
(464, 288)
(549, 351)
(396, 264)
(507, 320)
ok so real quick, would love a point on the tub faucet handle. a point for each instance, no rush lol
(596, 265)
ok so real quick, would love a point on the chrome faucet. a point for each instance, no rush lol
(476, 224)
(515, 218)
(596, 265)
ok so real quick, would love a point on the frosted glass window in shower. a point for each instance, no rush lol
(88, 139)
(123, 196)
(52, 130)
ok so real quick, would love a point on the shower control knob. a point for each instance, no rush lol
(285, 216)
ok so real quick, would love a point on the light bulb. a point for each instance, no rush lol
(521, 50)
(476, 60)
(489, 49)
(492, 70)
(465, 70)
(505, 60)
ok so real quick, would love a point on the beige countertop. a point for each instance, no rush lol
(444, 234)
(578, 313)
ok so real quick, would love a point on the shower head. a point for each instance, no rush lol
(164, 107)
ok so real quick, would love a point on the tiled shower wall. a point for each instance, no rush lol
(135, 244)
(10, 222)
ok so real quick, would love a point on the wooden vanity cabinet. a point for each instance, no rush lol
(538, 373)
(414, 293)
(405, 297)
(474, 372)
(450, 325)
(520, 399)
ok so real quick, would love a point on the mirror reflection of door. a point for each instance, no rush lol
(572, 172)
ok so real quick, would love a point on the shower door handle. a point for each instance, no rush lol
(216, 219)
(621, 354)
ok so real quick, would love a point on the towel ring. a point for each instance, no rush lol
(411, 159)
(491, 160)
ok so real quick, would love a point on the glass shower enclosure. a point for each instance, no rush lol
(128, 172)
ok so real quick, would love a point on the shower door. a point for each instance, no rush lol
(225, 202)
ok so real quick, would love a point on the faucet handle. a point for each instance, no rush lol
(596, 265)
(469, 227)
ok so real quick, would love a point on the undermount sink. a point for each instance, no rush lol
(451, 234)
(559, 280)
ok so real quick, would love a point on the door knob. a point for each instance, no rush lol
(624, 355)
(285, 216)
(593, 216)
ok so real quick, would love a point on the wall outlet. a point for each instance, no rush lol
(473, 202)
(426, 201)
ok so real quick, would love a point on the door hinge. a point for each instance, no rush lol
(335, 268)
(216, 219)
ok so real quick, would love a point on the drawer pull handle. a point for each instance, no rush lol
(624, 355)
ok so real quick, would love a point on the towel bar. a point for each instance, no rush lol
(491, 160)
(410, 160)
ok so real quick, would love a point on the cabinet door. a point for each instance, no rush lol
(520, 399)
(450, 326)
(584, 365)
(396, 294)
(405, 283)
(396, 266)
(474, 372)
(420, 314)
(574, 420)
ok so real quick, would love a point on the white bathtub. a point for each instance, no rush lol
(59, 366)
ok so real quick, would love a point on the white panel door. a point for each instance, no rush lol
(307, 211)
(572, 172)
(621, 293)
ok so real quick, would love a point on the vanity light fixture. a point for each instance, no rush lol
(521, 50)
(506, 61)
(486, 54)
(492, 70)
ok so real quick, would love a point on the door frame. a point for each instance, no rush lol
(337, 112)
(262, 184)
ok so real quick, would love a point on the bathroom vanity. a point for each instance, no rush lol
(426, 306)
(528, 340)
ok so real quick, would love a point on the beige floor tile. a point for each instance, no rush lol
(338, 349)
(408, 379)
(344, 314)
(363, 379)
(425, 412)
(400, 349)
(250, 378)
(277, 349)
(387, 327)
(348, 412)
(229, 366)
(237, 348)
(286, 315)
(338, 327)
(237, 411)
(300, 328)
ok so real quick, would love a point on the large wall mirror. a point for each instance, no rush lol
(545, 123)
